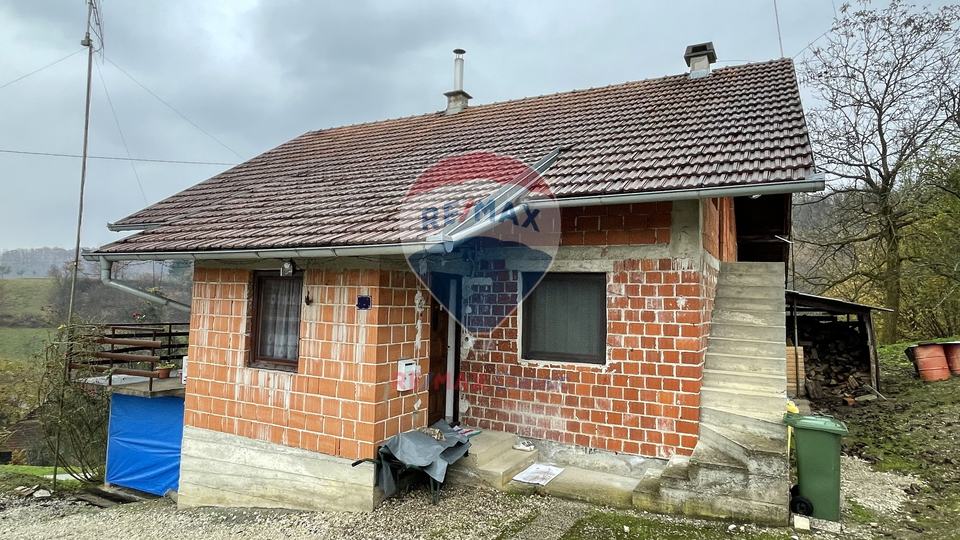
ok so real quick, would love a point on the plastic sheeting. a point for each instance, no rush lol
(419, 450)
(143, 449)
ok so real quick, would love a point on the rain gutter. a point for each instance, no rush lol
(814, 182)
(106, 267)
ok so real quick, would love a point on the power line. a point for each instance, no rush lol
(43, 68)
(776, 14)
(122, 138)
(52, 154)
(172, 109)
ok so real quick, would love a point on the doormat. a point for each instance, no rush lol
(538, 474)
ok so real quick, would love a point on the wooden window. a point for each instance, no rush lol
(565, 318)
(276, 320)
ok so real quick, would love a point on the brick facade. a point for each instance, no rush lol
(342, 400)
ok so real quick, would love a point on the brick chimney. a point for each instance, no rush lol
(457, 99)
(699, 57)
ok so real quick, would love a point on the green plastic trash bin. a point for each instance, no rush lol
(817, 441)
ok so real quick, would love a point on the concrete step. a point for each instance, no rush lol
(677, 467)
(487, 446)
(759, 454)
(752, 267)
(750, 332)
(745, 380)
(744, 347)
(764, 424)
(751, 279)
(705, 456)
(746, 400)
(756, 318)
(499, 471)
(749, 305)
(771, 293)
(592, 487)
(745, 363)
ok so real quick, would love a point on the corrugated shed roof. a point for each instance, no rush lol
(741, 125)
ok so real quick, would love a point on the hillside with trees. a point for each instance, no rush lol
(886, 129)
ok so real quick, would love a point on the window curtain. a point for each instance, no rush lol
(279, 319)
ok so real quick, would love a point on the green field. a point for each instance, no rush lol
(25, 297)
(21, 344)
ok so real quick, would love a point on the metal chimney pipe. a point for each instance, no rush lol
(457, 99)
(458, 69)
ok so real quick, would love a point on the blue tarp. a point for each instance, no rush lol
(143, 450)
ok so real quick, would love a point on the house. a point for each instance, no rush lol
(656, 336)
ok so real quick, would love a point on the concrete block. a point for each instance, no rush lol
(749, 332)
(742, 399)
(220, 469)
(751, 362)
(749, 347)
(592, 487)
(766, 424)
(745, 380)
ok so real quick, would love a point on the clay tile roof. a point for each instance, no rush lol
(741, 125)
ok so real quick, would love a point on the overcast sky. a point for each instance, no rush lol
(256, 74)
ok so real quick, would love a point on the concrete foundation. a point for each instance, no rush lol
(219, 469)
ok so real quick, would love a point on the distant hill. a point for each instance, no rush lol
(33, 262)
(37, 262)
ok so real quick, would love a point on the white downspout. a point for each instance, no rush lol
(106, 267)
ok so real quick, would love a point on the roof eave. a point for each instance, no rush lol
(814, 182)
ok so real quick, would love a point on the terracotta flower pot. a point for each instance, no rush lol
(163, 373)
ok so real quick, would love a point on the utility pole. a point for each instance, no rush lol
(88, 43)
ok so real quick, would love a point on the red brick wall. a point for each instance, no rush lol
(342, 401)
(645, 400)
(720, 229)
(620, 224)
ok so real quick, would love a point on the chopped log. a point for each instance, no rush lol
(814, 389)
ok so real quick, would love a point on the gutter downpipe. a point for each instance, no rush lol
(814, 182)
(106, 266)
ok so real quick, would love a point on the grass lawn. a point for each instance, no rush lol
(20, 344)
(13, 476)
(26, 297)
(612, 525)
(917, 431)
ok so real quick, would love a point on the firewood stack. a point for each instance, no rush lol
(835, 358)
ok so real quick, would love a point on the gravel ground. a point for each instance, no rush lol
(878, 491)
(463, 513)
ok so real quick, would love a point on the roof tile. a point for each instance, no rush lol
(741, 125)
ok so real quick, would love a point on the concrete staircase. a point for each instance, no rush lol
(491, 461)
(739, 468)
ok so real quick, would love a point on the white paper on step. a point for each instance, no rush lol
(538, 474)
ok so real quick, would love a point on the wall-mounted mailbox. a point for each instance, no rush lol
(408, 371)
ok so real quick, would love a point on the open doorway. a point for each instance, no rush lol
(444, 349)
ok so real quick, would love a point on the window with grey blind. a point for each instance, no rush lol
(565, 318)
(276, 318)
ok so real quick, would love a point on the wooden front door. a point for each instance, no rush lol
(439, 326)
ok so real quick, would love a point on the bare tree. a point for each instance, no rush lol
(887, 80)
(4, 270)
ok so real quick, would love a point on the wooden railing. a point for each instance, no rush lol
(124, 348)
